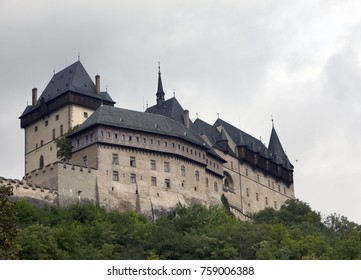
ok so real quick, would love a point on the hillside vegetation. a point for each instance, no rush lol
(89, 232)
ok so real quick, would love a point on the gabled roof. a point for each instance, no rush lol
(241, 138)
(170, 108)
(276, 151)
(73, 78)
(211, 132)
(141, 121)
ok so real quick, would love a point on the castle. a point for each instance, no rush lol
(145, 161)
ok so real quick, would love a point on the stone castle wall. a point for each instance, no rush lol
(25, 189)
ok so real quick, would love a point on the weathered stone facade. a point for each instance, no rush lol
(144, 161)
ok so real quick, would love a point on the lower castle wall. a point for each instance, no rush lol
(25, 189)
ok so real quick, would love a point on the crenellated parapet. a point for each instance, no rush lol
(25, 189)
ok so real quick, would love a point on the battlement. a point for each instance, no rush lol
(23, 188)
(50, 167)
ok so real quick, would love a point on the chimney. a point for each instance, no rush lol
(186, 118)
(35, 96)
(97, 84)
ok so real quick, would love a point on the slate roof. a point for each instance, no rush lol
(141, 121)
(211, 132)
(170, 108)
(276, 151)
(73, 78)
(241, 138)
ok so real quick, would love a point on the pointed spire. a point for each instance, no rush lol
(276, 151)
(160, 93)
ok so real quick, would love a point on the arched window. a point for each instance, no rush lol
(228, 182)
(41, 162)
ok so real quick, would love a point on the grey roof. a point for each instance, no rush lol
(211, 132)
(141, 121)
(276, 151)
(169, 108)
(241, 138)
(222, 136)
(73, 78)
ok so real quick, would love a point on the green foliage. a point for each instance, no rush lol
(89, 232)
(64, 146)
(8, 230)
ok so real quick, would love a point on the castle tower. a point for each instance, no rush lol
(68, 100)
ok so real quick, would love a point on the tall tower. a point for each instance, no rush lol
(68, 100)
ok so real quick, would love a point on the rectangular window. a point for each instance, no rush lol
(197, 175)
(41, 143)
(115, 159)
(36, 128)
(266, 200)
(132, 162)
(153, 164)
(61, 130)
(137, 139)
(257, 197)
(166, 167)
(116, 135)
(85, 115)
(153, 181)
(167, 183)
(46, 123)
(57, 117)
(53, 133)
(246, 172)
(130, 138)
(133, 179)
(115, 176)
(247, 192)
(85, 161)
(123, 137)
(183, 171)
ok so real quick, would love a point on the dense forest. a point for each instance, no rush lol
(89, 232)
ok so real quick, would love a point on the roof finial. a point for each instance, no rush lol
(159, 67)
(173, 92)
(197, 115)
(272, 120)
(218, 115)
(78, 56)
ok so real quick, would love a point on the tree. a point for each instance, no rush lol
(64, 146)
(8, 229)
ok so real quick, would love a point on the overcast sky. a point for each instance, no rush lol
(246, 60)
